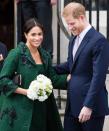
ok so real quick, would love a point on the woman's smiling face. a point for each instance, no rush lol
(34, 37)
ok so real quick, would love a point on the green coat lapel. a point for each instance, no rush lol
(26, 55)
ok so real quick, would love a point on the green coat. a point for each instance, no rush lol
(17, 110)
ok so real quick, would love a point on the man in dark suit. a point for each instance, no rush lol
(88, 59)
(3, 54)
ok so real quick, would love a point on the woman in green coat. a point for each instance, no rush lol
(18, 112)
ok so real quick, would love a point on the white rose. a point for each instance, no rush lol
(43, 98)
(40, 78)
(40, 88)
(31, 94)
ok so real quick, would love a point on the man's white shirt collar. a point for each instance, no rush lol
(83, 33)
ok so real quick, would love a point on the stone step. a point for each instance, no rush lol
(61, 102)
(62, 112)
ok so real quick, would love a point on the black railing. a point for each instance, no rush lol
(107, 20)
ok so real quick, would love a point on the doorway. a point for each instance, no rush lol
(7, 23)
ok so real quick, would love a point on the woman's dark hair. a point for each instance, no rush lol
(29, 24)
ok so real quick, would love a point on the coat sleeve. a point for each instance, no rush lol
(58, 81)
(7, 86)
(100, 65)
(64, 68)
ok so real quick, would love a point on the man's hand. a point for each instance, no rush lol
(68, 77)
(1, 57)
(85, 114)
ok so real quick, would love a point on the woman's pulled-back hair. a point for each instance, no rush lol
(29, 24)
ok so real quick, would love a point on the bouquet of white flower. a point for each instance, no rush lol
(40, 88)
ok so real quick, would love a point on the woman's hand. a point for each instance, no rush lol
(26, 92)
(31, 94)
(21, 91)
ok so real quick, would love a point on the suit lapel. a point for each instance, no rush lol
(82, 45)
(71, 47)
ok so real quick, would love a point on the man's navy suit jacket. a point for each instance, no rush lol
(88, 70)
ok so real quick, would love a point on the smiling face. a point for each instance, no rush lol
(75, 25)
(34, 37)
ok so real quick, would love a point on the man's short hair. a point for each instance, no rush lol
(74, 8)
